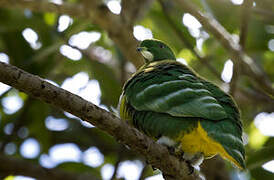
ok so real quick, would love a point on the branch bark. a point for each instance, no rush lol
(97, 12)
(234, 48)
(10, 165)
(156, 154)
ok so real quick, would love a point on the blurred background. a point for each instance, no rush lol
(88, 48)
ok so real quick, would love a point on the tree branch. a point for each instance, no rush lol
(132, 10)
(10, 165)
(188, 45)
(235, 50)
(156, 154)
(94, 10)
(245, 16)
(266, 13)
(246, 9)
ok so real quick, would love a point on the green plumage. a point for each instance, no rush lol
(166, 98)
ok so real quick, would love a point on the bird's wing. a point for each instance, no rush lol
(173, 89)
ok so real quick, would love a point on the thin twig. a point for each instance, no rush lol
(11, 165)
(187, 43)
(116, 167)
(245, 16)
(266, 13)
(213, 26)
(133, 10)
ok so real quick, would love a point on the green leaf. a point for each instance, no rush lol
(50, 18)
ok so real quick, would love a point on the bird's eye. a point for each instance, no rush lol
(162, 46)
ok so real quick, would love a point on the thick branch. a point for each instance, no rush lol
(10, 165)
(235, 50)
(156, 154)
(94, 10)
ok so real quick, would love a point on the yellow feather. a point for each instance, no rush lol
(123, 110)
(198, 141)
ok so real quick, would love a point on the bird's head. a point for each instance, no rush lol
(155, 50)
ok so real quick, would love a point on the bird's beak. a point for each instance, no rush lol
(145, 53)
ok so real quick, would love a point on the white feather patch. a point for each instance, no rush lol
(166, 141)
(147, 55)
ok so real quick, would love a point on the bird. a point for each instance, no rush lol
(176, 107)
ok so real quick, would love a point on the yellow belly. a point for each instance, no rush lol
(198, 141)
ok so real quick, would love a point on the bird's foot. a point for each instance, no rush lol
(171, 150)
(180, 155)
(190, 167)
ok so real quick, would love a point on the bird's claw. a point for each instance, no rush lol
(190, 167)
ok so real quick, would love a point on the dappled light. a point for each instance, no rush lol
(156, 177)
(64, 22)
(83, 39)
(21, 178)
(114, 6)
(56, 1)
(271, 45)
(55, 124)
(227, 71)
(4, 58)
(142, 33)
(30, 148)
(75, 83)
(71, 53)
(93, 157)
(46, 161)
(193, 25)
(269, 166)
(63, 153)
(3, 88)
(23, 132)
(107, 171)
(10, 148)
(237, 2)
(265, 123)
(32, 38)
(12, 104)
(130, 170)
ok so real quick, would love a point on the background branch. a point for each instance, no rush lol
(188, 45)
(13, 166)
(97, 12)
(246, 9)
(234, 49)
(245, 16)
(133, 10)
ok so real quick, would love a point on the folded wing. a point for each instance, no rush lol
(174, 91)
